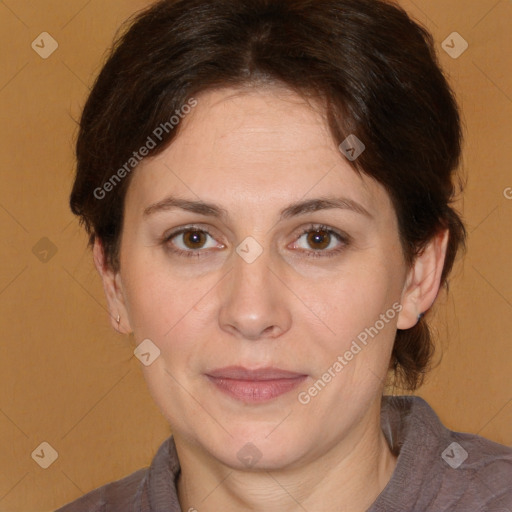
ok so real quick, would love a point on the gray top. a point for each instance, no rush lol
(437, 470)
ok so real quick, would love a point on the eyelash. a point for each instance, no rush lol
(319, 253)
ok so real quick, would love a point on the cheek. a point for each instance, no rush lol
(153, 301)
(353, 300)
(359, 311)
(351, 363)
(172, 311)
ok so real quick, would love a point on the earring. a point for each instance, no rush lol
(118, 319)
(420, 316)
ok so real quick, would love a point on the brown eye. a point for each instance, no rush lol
(319, 240)
(194, 239)
(191, 241)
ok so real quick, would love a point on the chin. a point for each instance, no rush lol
(254, 449)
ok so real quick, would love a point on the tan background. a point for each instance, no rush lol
(68, 379)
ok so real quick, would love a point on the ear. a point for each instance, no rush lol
(423, 281)
(113, 289)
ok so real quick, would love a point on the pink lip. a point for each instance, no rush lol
(253, 386)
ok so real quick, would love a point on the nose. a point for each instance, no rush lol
(253, 303)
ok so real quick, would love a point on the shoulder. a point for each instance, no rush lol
(438, 467)
(154, 484)
(120, 495)
(413, 420)
(484, 466)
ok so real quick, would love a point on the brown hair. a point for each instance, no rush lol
(372, 67)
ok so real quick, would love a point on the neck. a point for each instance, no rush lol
(351, 475)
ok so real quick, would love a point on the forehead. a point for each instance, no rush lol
(257, 144)
(256, 126)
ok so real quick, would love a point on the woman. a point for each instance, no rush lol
(267, 188)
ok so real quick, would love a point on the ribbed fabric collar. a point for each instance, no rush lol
(414, 433)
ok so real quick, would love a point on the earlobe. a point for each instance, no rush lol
(112, 286)
(423, 281)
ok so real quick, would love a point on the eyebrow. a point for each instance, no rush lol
(293, 210)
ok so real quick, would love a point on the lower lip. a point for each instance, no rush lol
(256, 391)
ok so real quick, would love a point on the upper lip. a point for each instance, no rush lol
(241, 373)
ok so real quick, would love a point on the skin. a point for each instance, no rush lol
(253, 152)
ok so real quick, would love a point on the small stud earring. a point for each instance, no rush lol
(420, 316)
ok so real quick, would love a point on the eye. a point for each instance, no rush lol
(190, 241)
(315, 241)
(321, 241)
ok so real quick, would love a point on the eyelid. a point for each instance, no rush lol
(328, 229)
(185, 229)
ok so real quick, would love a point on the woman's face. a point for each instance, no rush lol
(246, 282)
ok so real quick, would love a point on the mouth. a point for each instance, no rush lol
(254, 386)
